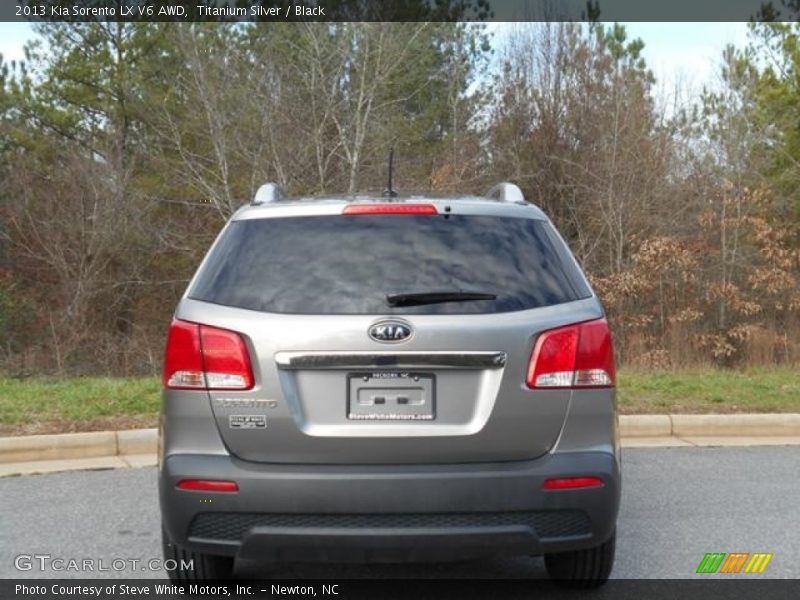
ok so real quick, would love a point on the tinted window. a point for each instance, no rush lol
(341, 264)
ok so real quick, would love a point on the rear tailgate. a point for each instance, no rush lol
(462, 378)
(305, 291)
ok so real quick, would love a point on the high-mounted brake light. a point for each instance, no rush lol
(200, 357)
(576, 356)
(573, 483)
(390, 209)
(206, 485)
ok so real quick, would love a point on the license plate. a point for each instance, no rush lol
(391, 396)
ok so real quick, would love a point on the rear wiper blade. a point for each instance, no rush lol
(421, 298)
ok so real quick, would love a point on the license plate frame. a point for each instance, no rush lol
(391, 396)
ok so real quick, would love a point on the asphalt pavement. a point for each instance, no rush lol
(677, 505)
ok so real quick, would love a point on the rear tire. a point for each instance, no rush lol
(588, 568)
(204, 567)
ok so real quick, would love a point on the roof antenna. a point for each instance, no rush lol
(389, 191)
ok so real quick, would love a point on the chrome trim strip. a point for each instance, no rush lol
(354, 360)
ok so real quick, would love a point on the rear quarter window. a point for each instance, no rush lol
(349, 264)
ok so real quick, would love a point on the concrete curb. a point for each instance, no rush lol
(25, 449)
(735, 425)
(137, 441)
(644, 425)
(29, 448)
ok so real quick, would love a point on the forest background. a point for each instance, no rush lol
(124, 147)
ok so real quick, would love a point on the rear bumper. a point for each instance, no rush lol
(372, 513)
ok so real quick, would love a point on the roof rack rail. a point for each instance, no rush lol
(267, 193)
(506, 192)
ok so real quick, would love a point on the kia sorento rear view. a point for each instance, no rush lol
(371, 379)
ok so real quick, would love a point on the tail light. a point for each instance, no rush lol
(390, 209)
(200, 357)
(576, 356)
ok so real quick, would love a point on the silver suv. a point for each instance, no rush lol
(387, 379)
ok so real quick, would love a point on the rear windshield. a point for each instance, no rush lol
(350, 264)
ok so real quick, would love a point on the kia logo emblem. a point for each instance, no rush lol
(390, 331)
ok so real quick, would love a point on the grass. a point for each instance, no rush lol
(775, 389)
(41, 405)
(77, 404)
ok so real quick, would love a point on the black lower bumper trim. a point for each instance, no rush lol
(544, 524)
(390, 511)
